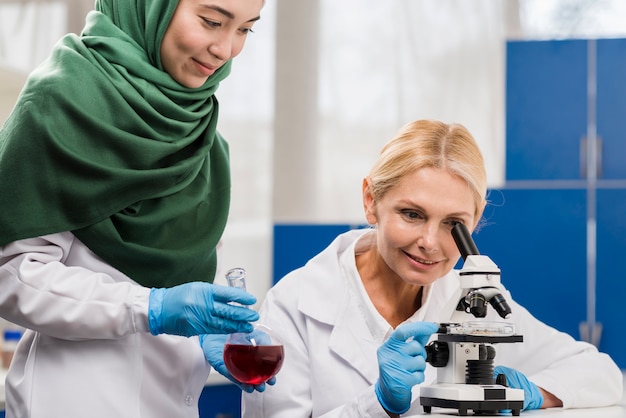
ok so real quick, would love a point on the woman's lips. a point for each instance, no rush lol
(421, 262)
(205, 70)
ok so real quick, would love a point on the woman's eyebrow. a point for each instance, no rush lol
(417, 206)
(226, 12)
(458, 214)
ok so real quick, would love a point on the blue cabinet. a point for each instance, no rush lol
(554, 90)
(611, 107)
(611, 278)
(295, 244)
(570, 222)
(220, 401)
(546, 109)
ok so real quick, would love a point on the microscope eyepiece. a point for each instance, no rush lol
(463, 239)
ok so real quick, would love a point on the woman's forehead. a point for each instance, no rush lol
(435, 189)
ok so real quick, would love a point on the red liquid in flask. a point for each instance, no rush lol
(253, 364)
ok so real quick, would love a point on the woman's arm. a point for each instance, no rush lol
(573, 373)
(55, 285)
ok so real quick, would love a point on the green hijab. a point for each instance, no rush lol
(102, 142)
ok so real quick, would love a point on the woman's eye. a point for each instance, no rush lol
(412, 215)
(246, 31)
(451, 223)
(211, 23)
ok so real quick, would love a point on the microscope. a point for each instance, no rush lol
(463, 351)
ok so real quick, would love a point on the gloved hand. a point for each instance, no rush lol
(533, 399)
(200, 308)
(213, 347)
(401, 364)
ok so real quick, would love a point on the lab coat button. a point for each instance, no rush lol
(189, 400)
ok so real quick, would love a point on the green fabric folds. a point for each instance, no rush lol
(104, 143)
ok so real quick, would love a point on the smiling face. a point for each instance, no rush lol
(414, 220)
(203, 35)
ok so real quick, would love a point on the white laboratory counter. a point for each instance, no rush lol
(617, 411)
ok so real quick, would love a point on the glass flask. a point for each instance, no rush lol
(255, 357)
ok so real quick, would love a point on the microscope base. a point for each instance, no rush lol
(481, 399)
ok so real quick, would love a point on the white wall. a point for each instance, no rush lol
(11, 83)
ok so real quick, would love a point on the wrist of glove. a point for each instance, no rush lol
(401, 364)
(533, 399)
(200, 308)
(213, 348)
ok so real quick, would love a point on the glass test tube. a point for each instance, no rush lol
(236, 277)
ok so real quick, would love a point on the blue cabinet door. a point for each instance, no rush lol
(220, 401)
(611, 276)
(538, 240)
(295, 244)
(546, 109)
(549, 96)
(611, 107)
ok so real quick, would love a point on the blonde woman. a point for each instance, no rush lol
(347, 316)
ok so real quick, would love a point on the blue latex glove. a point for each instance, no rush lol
(213, 347)
(200, 308)
(533, 399)
(401, 364)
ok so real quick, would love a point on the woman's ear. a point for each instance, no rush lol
(369, 206)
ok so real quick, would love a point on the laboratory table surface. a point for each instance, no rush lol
(616, 411)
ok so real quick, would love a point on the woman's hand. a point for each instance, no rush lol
(533, 395)
(200, 308)
(401, 364)
(213, 348)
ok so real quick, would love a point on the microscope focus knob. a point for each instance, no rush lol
(501, 380)
(437, 353)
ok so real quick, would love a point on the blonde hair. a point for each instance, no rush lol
(434, 144)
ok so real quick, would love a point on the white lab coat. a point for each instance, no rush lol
(88, 351)
(331, 339)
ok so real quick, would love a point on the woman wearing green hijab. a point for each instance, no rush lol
(115, 191)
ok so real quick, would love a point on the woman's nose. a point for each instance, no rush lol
(427, 239)
(221, 46)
